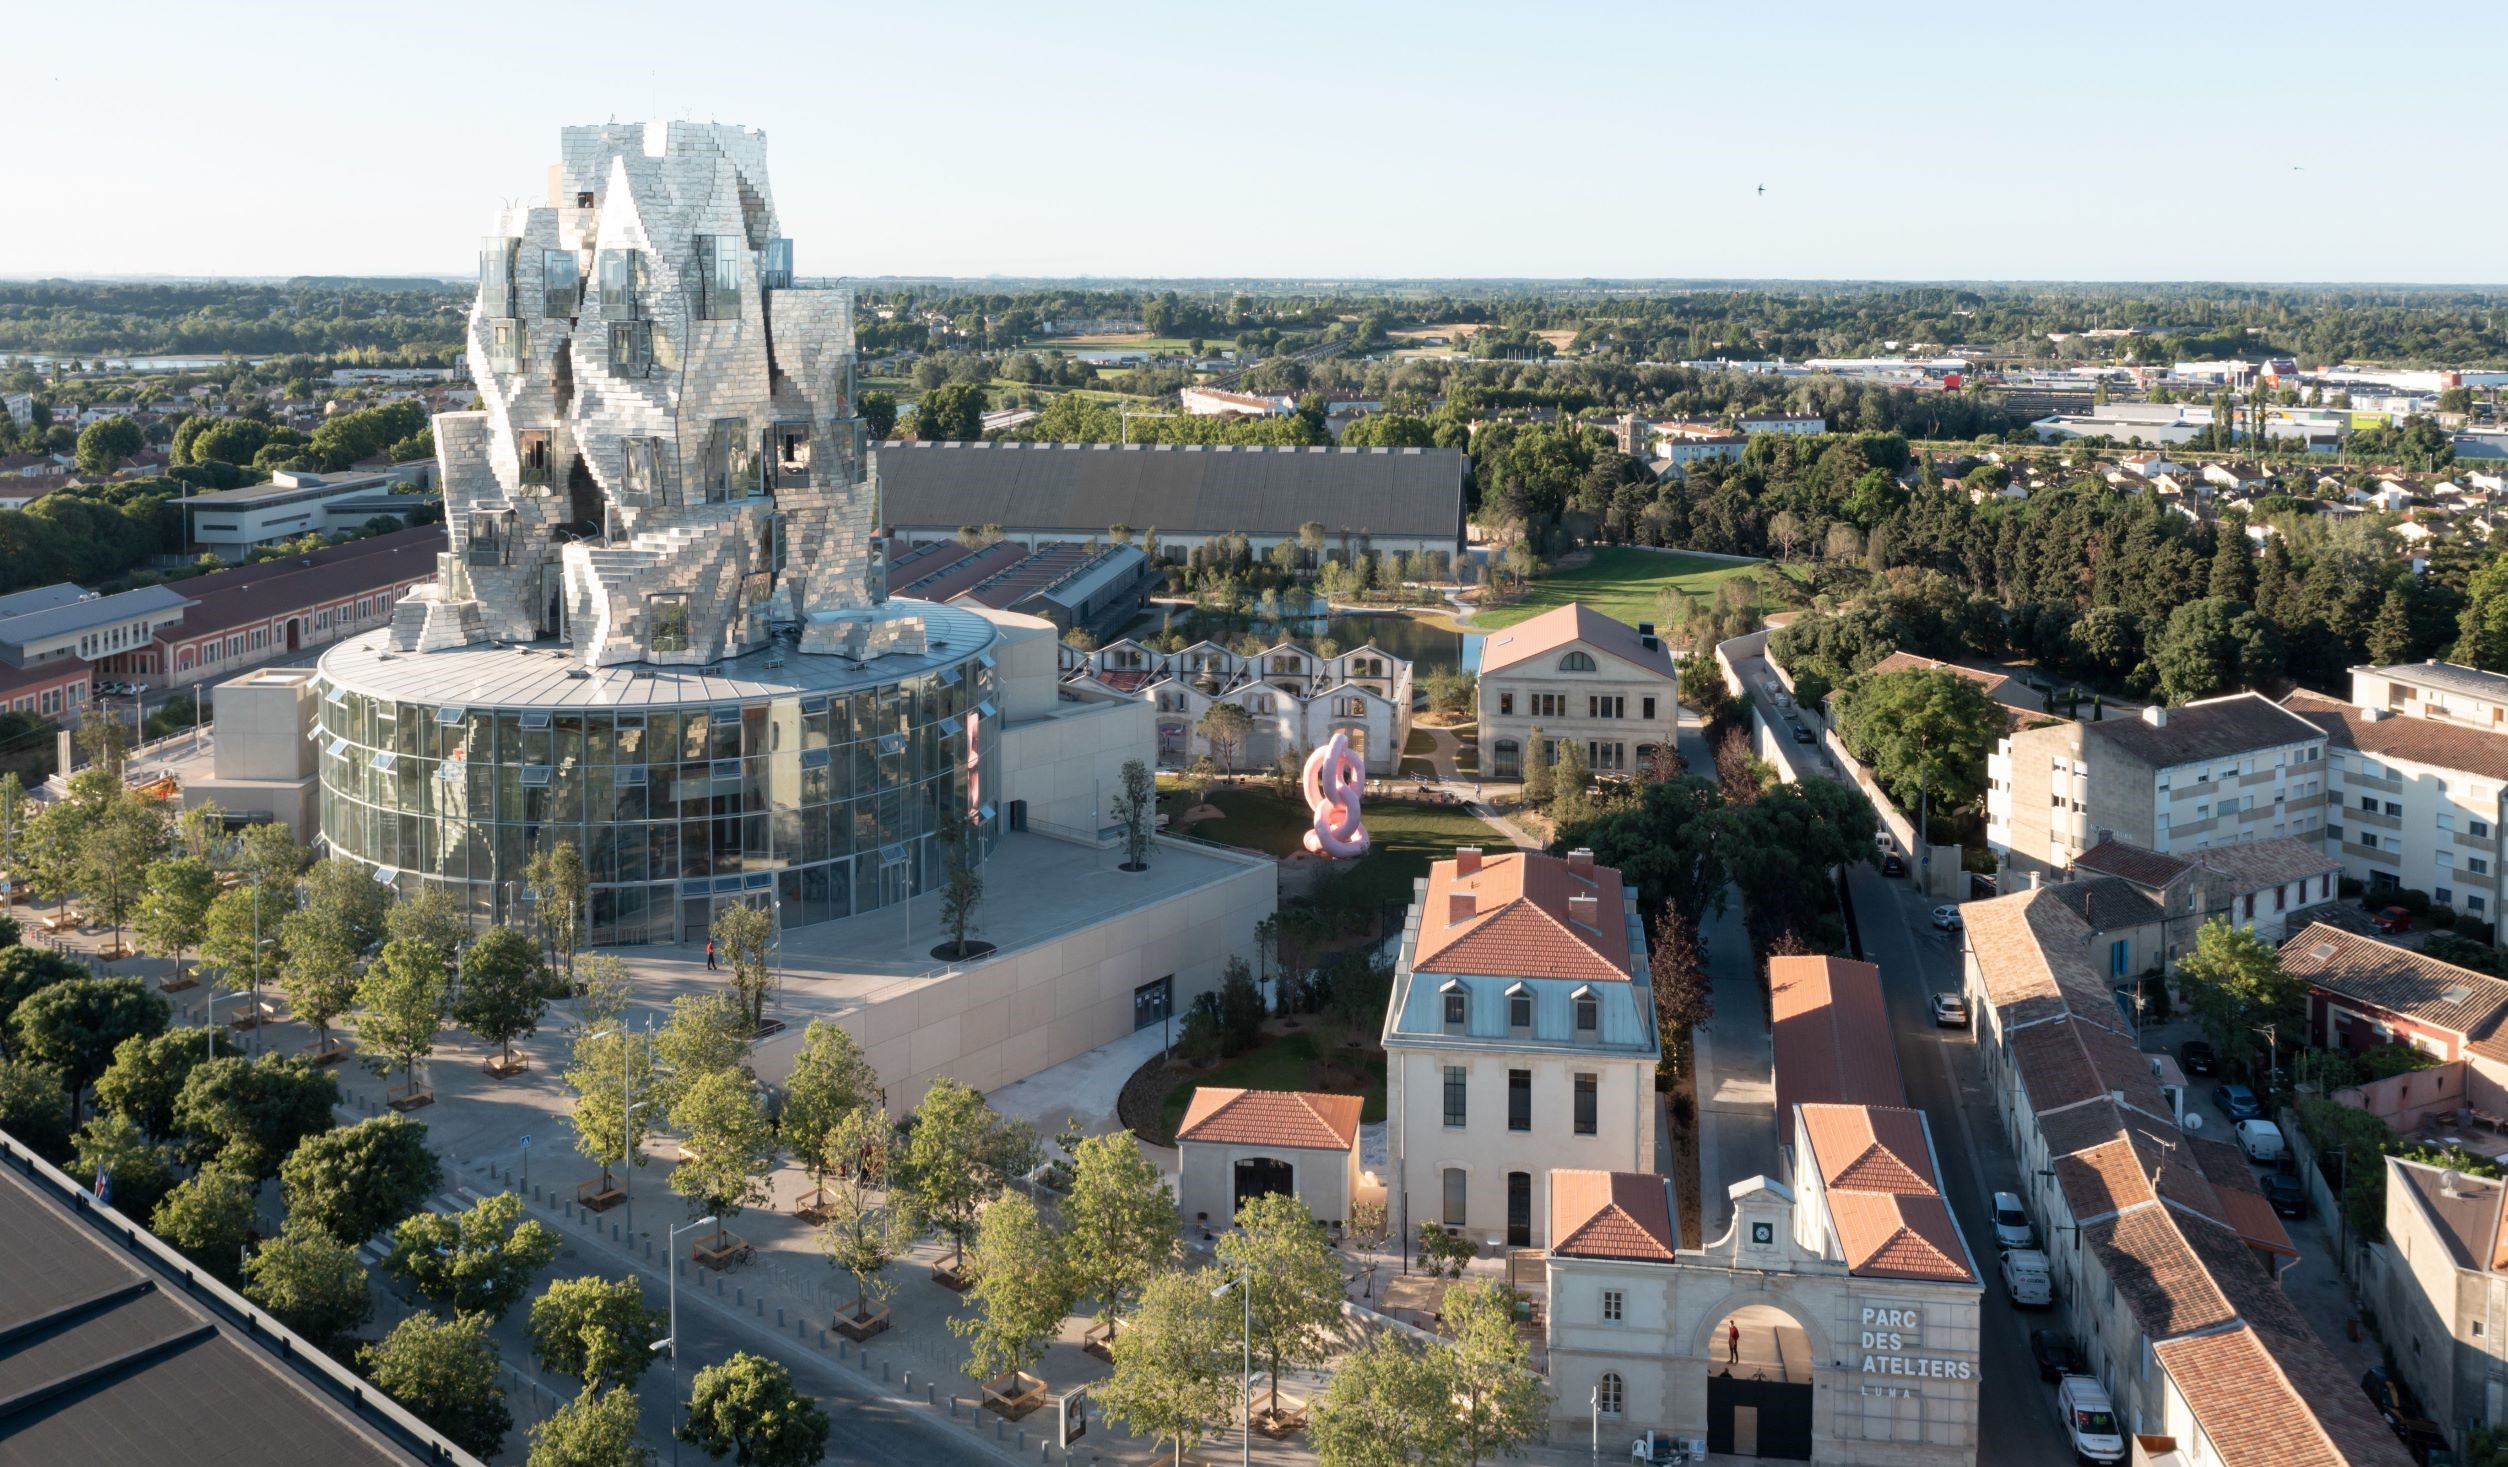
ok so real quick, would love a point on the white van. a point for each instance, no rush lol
(2260, 1139)
(2089, 1419)
(2026, 1279)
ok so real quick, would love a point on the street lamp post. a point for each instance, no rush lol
(1244, 1284)
(209, 1025)
(2272, 1056)
(627, 1108)
(673, 1341)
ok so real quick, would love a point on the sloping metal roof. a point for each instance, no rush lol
(98, 611)
(1082, 488)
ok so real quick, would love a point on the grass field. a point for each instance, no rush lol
(1300, 1061)
(1403, 837)
(1621, 582)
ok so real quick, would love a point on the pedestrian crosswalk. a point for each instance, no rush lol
(374, 1250)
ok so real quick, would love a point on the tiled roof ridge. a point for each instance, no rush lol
(1877, 1156)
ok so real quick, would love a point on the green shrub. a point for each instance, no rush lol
(2439, 917)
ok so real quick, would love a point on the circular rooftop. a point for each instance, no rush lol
(546, 674)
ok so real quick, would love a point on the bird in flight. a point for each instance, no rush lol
(1763, 188)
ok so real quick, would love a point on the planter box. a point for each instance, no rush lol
(1289, 1422)
(1097, 1340)
(330, 1052)
(1014, 1395)
(952, 1280)
(171, 984)
(502, 1068)
(593, 1196)
(416, 1098)
(723, 1251)
(858, 1330)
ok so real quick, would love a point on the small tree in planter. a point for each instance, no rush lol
(1176, 1371)
(480, 1260)
(1022, 1291)
(1122, 1224)
(746, 1409)
(830, 1082)
(858, 1230)
(610, 1066)
(560, 890)
(1134, 808)
(730, 1150)
(401, 1008)
(1296, 1283)
(318, 972)
(744, 934)
(504, 992)
(598, 1330)
(173, 912)
(963, 891)
(956, 1158)
(1227, 727)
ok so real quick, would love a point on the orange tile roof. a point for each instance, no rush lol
(1301, 1120)
(1823, 1014)
(1596, 1214)
(1559, 626)
(1876, 1167)
(1521, 924)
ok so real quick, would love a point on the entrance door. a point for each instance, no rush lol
(1260, 1176)
(1745, 1431)
(1519, 1209)
(1758, 1418)
(1153, 1002)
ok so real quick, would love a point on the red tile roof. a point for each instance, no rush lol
(1299, 1120)
(1823, 1014)
(1521, 923)
(1560, 626)
(1876, 1168)
(250, 595)
(1610, 1215)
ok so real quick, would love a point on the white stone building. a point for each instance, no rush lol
(1575, 673)
(1520, 1037)
(1296, 697)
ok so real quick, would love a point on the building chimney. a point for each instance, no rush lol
(1466, 860)
(1585, 910)
(1460, 906)
(1581, 862)
(2156, 716)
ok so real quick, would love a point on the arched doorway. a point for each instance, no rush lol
(1260, 1176)
(294, 636)
(1759, 1391)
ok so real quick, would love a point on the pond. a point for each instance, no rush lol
(1427, 647)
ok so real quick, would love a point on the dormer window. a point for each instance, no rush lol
(1458, 1005)
(1577, 662)
(1588, 1011)
(1519, 1007)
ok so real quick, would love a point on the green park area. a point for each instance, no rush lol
(1404, 837)
(1315, 1058)
(1626, 583)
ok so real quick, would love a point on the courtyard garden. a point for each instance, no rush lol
(1626, 583)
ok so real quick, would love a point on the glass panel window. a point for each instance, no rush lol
(1614, 1305)
(1455, 1111)
(788, 444)
(496, 275)
(505, 344)
(1458, 1010)
(532, 446)
(718, 277)
(645, 488)
(1519, 1100)
(561, 284)
(1456, 1184)
(618, 284)
(669, 630)
(1588, 1104)
(775, 272)
(1519, 1011)
(729, 473)
(631, 348)
(1588, 1015)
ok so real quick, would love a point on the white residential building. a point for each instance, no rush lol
(1297, 697)
(1575, 674)
(1520, 1037)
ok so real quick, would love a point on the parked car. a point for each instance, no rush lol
(1950, 1011)
(2011, 1222)
(2392, 919)
(2089, 1419)
(1946, 919)
(2395, 1402)
(2287, 1193)
(2237, 1102)
(2260, 1139)
(2026, 1279)
(1802, 735)
(1891, 865)
(2196, 1057)
(2054, 1352)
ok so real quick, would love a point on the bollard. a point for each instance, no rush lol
(953, 1408)
(997, 1433)
(718, 1286)
(740, 1296)
(761, 1306)
(931, 1397)
(1023, 1438)
(1045, 1450)
(908, 1382)
(779, 1316)
(823, 1340)
(883, 1372)
(535, 1192)
(615, 1235)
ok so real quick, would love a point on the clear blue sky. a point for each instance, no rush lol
(2172, 141)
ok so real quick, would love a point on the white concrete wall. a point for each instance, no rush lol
(1324, 1180)
(1069, 766)
(1424, 1147)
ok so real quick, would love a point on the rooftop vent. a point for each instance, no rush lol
(2457, 994)
(1581, 862)
(2321, 951)
(2156, 716)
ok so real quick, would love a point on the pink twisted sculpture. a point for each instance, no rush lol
(1334, 777)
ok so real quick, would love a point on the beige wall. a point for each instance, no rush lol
(1326, 1181)
(263, 760)
(1026, 1009)
(2021, 817)
(1487, 1151)
(1612, 677)
(1069, 766)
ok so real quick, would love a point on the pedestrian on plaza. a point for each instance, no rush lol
(1732, 1343)
(709, 955)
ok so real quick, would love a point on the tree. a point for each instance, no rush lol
(611, 1065)
(2390, 636)
(208, 1219)
(427, 914)
(1684, 999)
(355, 1181)
(963, 891)
(1571, 784)
(1389, 1404)
(74, 1027)
(311, 1281)
(136, 1170)
(173, 914)
(268, 856)
(1133, 807)
(706, 1034)
(1538, 784)
(561, 892)
(34, 1107)
(237, 944)
(879, 414)
(859, 1231)
(479, 1260)
(344, 894)
(596, 1429)
(958, 1154)
(25, 972)
(1227, 727)
(1502, 1399)
(1296, 1282)
(445, 1371)
(107, 443)
(1121, 1222)
(1176, 1373)
(598, 1330)
(251, 1114)
(746, 1409)
(1021, 1290)
(1926, 732)
(1240, 1007)
(830, 1080)
(401, 1006)
(2212, 645)
(730, 1150)
(317, 970)
(606, 994)
(504, 990)
(744, 935)
(952, 412)
(125, 837)
(2233, 981)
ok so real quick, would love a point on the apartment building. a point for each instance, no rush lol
(2157, 903)
(2364, 994)
(2417, 775)
(2215, 772)
(1520, 1037)
(1578, 675)
(2439, 1282)
(1296, 697)
(2165, 1254)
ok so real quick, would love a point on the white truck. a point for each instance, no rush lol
(2027, 1279)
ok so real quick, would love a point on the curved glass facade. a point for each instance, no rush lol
(824, 801)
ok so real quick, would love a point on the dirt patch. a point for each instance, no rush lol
(1140, 1104)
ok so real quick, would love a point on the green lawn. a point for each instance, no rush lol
(1403, 837)
(1621, 581)
(1297, 1061)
